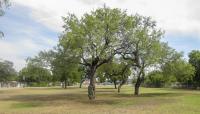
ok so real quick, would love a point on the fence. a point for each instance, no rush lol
(11, 84)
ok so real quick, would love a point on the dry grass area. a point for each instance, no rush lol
(75, 101)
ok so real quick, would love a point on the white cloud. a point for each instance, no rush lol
(49, 12)
(20, 50)
(23, 38)
(12, 51)
(174, 16)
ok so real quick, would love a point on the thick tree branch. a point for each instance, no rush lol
(105, 61)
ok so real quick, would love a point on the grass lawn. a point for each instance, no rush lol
(75, 101)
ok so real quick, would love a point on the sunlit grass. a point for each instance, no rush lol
(75, 101)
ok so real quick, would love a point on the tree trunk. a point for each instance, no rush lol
(91, 87)
(65, 84)
(119, 88)
(120, 85)
(137, 86)
(140, 79)
(115, 84)
(81, 83)
(80, 86)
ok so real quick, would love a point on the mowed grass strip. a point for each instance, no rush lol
(74, 100)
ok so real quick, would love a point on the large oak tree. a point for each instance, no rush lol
(94, 38)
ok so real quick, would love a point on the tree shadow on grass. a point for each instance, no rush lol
(104, 91)
(39, 100)
(147, 98)
(104, 97)
(106, 88)
(168, 94)
(178, 89)
(149, 95)
(51, 88)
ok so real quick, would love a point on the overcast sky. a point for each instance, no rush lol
(34, 25)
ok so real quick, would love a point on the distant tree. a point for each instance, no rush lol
(94, 38)
(33, 74)
(38, 69)
(124, 73)
(116, 72)
(109, 71)
(43, 59)
(58, 62)
(7, 72)
(194, 59)
(63, 69)
(174, 70)
(155, 79)
(179, 70)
